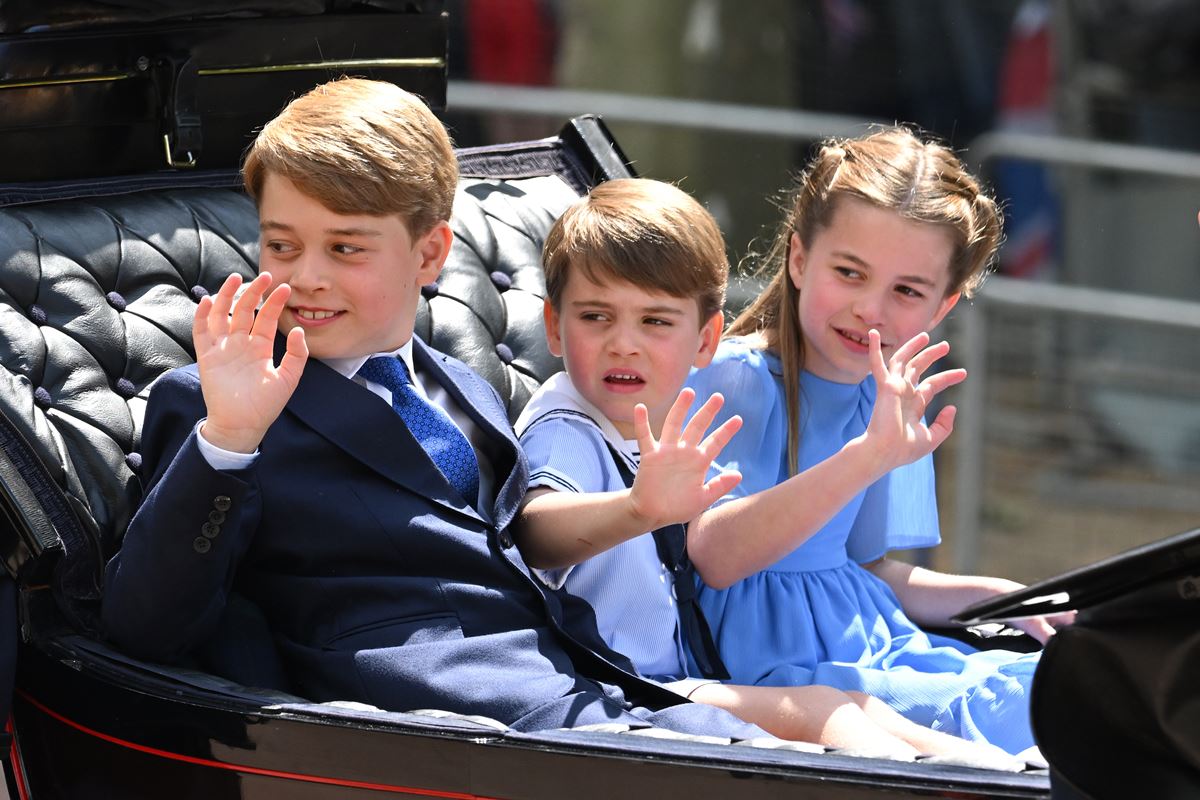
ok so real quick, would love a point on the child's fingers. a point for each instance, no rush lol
(698, 424)
(295, 357)
(925, 359)
(200, 323)
(906, 351)
(941, 427)
(673, 424)
(935, 384)
(715, 442)
(1037, 627)
(875, 356)
(218, 313)
(720, 486)
(242, 317)
(266, 322)
(641, 429)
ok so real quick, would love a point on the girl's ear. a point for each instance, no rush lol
(710, 337)
(795, 263)
(553, 335)
(949, 302)
(434, 248)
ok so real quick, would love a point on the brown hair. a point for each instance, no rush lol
(645, 232)
(360, 147)
(890, 168)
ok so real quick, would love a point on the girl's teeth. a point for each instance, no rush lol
(314, 315)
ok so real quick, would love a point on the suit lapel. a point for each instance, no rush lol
(475, 397)
(362, 425)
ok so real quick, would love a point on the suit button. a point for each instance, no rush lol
(216, 517)
(210, 530)
(222, 503)
(201, 545)
(505, 539)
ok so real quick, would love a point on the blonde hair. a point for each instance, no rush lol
(644, 232)
(892, 169)
(360, 147)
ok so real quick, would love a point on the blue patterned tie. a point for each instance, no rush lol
(431, 426)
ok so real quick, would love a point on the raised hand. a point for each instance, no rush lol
(243, 389)
(670, 485)
(897, 427)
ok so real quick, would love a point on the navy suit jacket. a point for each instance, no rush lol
(381, 584)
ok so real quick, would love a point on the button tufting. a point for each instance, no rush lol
(115, 300)
(201, 545)
(501, 280)
(37, 314)
(505, 352)
(222, 503)
(429, 290)
(42, 397)
(125, 388)
(198, 293)
(134, 462)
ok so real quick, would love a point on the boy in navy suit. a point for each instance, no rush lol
(351, 482)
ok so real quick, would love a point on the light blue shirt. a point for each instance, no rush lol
(566, 440)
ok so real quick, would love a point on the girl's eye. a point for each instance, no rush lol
(847, 272)
(908, 291)
(592, 316)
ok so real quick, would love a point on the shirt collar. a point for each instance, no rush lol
(558, 396)
(350, 366)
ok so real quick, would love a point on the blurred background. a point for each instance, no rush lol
(1078, 433)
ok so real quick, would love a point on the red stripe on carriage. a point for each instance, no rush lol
(204, 762)
(14, 758)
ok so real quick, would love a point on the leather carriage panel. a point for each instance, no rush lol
(86, 98)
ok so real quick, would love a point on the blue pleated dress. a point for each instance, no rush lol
(816, 616)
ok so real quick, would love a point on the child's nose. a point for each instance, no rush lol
(622, 341)
(308, 272)
(869, 308)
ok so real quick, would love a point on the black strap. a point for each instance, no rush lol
(671, 543)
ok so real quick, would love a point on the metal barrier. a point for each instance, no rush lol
(971, 347)
(665, 111)
(1088, 153)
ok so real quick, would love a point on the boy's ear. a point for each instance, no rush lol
(553, 335)
(949, 302)
(434, 248)
(710, 337)
(795, 264)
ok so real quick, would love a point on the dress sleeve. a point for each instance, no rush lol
(899, 512)
(743, 377)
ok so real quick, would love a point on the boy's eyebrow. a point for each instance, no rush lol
(660, 310)
(918, 279)
(272, 225)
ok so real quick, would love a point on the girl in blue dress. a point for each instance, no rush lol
(884, 236)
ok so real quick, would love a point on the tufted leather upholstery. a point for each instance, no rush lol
(96, 301)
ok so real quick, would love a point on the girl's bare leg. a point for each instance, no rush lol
(926, 740)
(819, 714)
